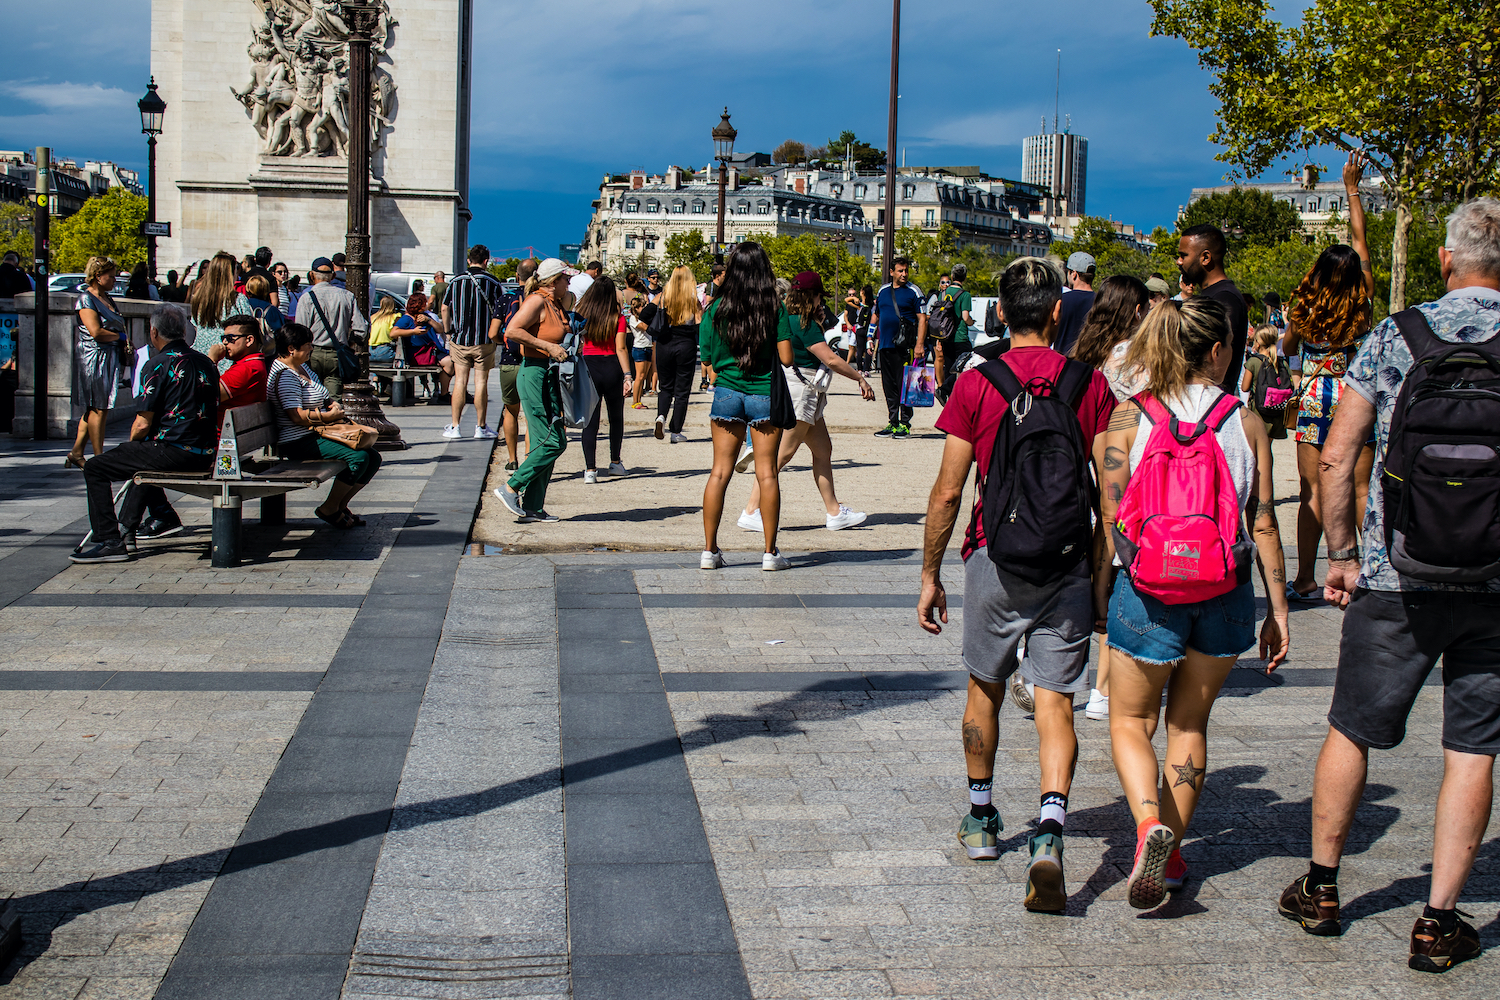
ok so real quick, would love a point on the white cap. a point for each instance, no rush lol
(551, 268)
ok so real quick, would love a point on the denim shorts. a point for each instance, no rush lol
(1144, 628)
(734, 407)
(640, 354)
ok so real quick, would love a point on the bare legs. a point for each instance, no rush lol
(1310, 510)
(510, 419)
(727, 439)
(820, 445)
(1054, 727)
(461, 393)
(642, 382)
(90, 429)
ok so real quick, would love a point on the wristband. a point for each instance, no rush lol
(1350, 554)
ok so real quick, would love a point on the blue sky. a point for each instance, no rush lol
(567, 92)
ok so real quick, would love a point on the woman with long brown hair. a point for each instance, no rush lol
(1119, 307)
(1328, 322)
(213, 300)
(96, 357)
(677, 352)
(608, 361)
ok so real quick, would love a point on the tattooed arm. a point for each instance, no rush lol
(1112, 460)
(942, 513)
(1260, 511)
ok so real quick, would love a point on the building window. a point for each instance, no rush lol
(859, 192)
(931, 217)
(678, 208)
(697, 208)
(837, 190)
(630, 243)
(905, 217)
(880, 217)
(1333, 204)
(763, 208)
(650, 244)
(742, 208)
(908, 191)
(880, 244)
(611, 202)
(632, 206)
(653, 206)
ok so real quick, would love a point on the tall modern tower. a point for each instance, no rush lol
(1058, 160)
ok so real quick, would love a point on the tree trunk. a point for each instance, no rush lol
(1399, 247)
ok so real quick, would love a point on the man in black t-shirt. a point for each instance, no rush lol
(1200, 258)
(1077, 300)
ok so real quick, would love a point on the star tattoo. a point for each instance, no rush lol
(1187, 774)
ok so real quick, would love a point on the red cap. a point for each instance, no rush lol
(808, 281)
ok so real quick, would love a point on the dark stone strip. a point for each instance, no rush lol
(32, 565)
(159, 680)
(907, 601)
(283, 923)
(135, 599)
(646, 915)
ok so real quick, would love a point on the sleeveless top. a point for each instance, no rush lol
(551, 325)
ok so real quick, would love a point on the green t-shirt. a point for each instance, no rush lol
(962, 302)
(717, 355)
(802, 339)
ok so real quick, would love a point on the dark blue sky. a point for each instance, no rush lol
(567, 92)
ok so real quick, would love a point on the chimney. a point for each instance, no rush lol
(801, 185)
(674, 178)
(734, 178)
(637, 179)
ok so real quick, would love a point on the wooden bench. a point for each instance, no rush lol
(243, 470)
(401, 373)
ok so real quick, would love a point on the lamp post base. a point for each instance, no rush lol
(361, 406)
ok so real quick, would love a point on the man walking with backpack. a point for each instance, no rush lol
(1424, 584)
(950, 322)
(901, 315)
(1031, 420)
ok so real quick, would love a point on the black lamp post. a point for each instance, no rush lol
(724, 134)
(153, 110)
(838, 239)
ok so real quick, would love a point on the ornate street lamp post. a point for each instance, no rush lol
(724, 134)
(839, 239)
(153, 109)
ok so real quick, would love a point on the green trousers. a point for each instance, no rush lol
(546, 437)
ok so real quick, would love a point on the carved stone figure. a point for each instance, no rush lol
(297, 91)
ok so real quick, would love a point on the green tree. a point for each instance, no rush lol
(507, 270)
(791, 152)
(689, 249)
(1248, 216)
(791, 255)
(1412, 84)
(866, 156)
(1424, 274)
(16, 235)
(106, 226)
(1277, 267)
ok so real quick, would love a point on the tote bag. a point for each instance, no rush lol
(918, 385)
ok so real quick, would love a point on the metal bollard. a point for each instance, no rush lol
(398, 391)
(228, 511)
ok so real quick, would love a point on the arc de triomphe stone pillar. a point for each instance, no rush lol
(254, 149)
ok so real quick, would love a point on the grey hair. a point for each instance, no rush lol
(168, 323)
(783, 286)
(1474, 237)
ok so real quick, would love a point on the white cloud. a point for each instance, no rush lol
(86, 98)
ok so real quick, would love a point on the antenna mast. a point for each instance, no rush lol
(1057, 94)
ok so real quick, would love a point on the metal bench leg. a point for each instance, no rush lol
(273, 509)
(398, 391)
(228, 511)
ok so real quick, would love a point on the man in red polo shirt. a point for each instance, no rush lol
(245, 381)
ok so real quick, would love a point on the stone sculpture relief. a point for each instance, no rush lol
(297, 93)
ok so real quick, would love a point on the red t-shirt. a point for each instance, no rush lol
(974, 410)
(246, 379)
(592, 350)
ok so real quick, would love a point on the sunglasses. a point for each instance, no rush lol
(230, 338)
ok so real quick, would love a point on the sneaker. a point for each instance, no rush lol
(845, 518)
(1153, 846)
(1021, 692)
(108, 552)
(679, 438)
(483, 433)
(1316, 907)
(157, 528)
(981, 837)
(773, 561)
(703, 385)
(747, 456)
(618, 469)
(887, 431)
(751, 521)
(711, 560)
(1098, 707)
(901, 431)
(452, 431)
(129, 539)
(1175, 874)
(542, 516)
(661, 426)
(512, 466)
(590, 475)
(512, 502)
(1045, 890)
(1434, 951)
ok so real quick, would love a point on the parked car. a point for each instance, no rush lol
(396, 284)
(78, 282)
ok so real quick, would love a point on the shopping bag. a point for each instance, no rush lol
(918, 385)
(579, 396)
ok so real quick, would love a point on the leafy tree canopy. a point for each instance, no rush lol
(1248, 216)
(791, 152)
(689, 248)
(866, 156)
(106, 226)
(15, 234)
(934, 255)
(791, 255)
(507, 270)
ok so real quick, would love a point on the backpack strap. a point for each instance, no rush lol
(1002, 378)
(1214, 419)
(1073, 381)
(1152, 408)
(1222, 410)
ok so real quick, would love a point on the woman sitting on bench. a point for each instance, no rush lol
(300, 403)
(424, 344)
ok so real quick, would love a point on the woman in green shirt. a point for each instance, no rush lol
(802, 345)
(737, 340)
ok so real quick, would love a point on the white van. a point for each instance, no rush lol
(396, 284)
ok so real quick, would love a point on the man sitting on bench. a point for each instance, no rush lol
(175, 430)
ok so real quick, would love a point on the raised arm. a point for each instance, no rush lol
(1260, 514)
(942, 513)
(1354, 169)
(830, 358)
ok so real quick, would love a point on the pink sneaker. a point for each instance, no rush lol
(1153, 845)
(1176, 871)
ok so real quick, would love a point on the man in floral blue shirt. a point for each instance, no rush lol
(1396, 628)
(175, 430)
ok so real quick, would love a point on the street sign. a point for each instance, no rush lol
(156, 229)
(723, 249)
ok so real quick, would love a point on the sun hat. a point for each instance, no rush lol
(1158, 286)
(551, 268)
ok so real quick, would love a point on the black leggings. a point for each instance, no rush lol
(610, 381)
(676, 364)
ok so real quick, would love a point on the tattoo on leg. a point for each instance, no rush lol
(1150, 802)
(973, 739)
(1187, 774)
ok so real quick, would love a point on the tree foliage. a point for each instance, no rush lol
(106, 226)
(933, 255)
(15, 234)
(688, 248)
(791, 255)
(1413, 84)
(506, 270)
(790, 152)
(1248, 216)
(866, 156)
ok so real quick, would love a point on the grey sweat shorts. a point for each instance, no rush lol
(1056, 621)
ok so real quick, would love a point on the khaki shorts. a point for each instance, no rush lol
(509, 394)
(481, 357)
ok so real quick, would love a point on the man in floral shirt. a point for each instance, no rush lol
(1396, 627)
(175, 430)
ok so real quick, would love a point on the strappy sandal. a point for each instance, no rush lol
(335, 519)
(352, 520)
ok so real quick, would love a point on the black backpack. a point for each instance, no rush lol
(1442, 464)
(992, 325)
(1039, 496)
(944, 319)
(1270, 376)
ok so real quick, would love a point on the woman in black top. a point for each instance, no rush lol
(676, 351)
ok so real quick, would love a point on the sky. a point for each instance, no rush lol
(564, 93)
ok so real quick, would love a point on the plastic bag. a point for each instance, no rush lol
(918, 385)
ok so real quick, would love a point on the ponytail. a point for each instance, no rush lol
(1175, 342)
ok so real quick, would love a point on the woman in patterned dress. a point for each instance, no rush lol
(96, 358)
(213, 300)
(1328, 322)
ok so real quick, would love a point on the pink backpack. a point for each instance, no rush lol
(1178, 527)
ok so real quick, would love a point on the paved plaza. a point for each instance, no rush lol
(402, 762)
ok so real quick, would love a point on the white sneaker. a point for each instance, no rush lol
(452, 431)
(679, 438)
(1098, 706)
(590, 475)
(511, 500)
(747, 456)
(661, 424)
(618, 469)
(710, 560)
(751, 521)
(845, 518)
(484, 433)
(773, 561)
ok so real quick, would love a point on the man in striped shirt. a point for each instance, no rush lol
(472, 310)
